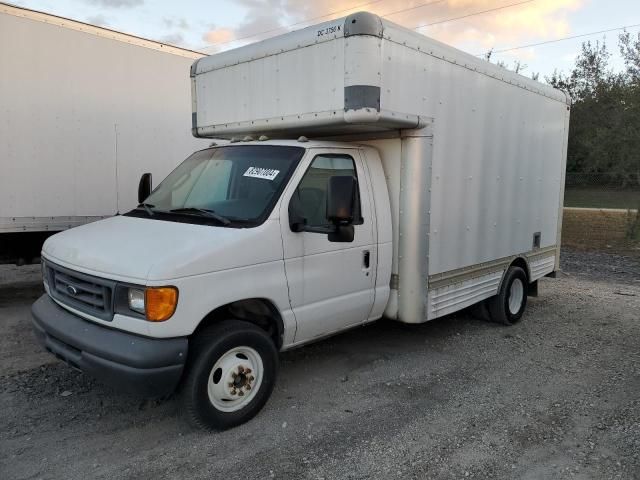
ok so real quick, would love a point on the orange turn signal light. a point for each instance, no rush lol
(160, 303)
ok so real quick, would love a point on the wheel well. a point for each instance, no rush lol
(259, 311)
(522, 263)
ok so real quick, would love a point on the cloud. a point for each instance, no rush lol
(510, 26)
(117, 3)
(98, 20)
(507, 27)
(570, 57)
(179, 23)
(219, 35)
(175, 38)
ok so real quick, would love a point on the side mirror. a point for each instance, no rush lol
(341, 196)
(144, 187)
(296, 220)
(343, 233)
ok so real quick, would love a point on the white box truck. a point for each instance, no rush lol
(84, 111)
(369, 172)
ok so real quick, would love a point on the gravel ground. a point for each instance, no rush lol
(556, 396)
(601, 266)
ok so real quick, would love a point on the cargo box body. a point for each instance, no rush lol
(474, 155)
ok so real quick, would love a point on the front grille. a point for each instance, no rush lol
(86, 293)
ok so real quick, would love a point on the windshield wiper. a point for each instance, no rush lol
(148, 208)
(203, 212)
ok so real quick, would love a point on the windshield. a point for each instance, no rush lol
(226, 185)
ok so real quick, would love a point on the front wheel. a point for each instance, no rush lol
(231, 373)
(508, 305)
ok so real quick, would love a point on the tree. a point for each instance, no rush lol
(603, 135)
(518, 66)
(630, 134)
(589, 75)
(630, 51)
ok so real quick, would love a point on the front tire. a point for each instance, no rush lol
(509, 304)
(230, 375)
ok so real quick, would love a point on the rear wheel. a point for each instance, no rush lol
(509, 304)
(231, 374)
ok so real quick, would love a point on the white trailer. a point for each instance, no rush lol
(84, 111)
(367, 171)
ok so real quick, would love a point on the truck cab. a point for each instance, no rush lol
(282, 237)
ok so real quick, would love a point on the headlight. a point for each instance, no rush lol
(157, 304)
(136, 300)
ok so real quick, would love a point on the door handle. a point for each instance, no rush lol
(366, 258)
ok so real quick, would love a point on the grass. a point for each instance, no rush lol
(598, 198)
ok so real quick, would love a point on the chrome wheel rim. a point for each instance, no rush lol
(516, 295)
(235, 379)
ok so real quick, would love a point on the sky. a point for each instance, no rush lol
(218, 25)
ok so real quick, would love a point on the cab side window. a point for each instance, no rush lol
(310, 198)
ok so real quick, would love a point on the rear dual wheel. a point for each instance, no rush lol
(509, 304)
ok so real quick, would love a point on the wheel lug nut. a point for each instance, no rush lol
(233, 391)
(251, 378)
(248, 370)
(230, 384)
(240, 369)
(234, 374)
(247, 387)
(241, 393)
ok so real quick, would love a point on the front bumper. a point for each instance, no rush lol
(131, 363)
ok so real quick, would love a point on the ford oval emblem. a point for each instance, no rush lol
(71, 290)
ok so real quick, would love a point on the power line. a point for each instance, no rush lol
(452, 19)
(412, 8)
(473, 14)
(293, 24)
(560, 39)
(327, 15)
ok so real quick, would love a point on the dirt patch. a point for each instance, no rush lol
(600, 229)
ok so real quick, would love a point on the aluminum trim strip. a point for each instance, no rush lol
(456, 276)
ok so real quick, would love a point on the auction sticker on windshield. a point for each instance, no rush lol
(264, 173)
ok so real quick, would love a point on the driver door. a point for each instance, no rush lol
(331, 284)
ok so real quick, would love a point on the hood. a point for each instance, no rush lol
(140, 249)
